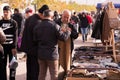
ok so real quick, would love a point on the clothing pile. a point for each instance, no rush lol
(95, 58)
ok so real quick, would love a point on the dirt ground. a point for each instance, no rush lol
(21, 69)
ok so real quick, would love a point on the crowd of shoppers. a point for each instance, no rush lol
(46, 37)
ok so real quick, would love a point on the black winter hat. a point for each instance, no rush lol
(6, 8)
(43, 8)
(16, 9)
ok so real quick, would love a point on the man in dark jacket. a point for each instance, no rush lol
(29, 47)
(84, 26)
(65, 19)
(66, 47)
(46, 34)
(17, 16)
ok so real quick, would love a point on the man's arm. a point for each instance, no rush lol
(74, 33)
(62, 33)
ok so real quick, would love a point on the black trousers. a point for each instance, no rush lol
(8, 52)
(2, 68)
(32, 67)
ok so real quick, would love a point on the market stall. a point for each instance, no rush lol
(116, 5)
(99, 62)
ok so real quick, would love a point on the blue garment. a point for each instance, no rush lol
(84, 30)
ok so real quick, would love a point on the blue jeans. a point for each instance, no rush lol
(84, 32)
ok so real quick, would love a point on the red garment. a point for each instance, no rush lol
(89, 19)
(119, 11)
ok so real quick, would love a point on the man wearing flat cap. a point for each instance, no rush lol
(29, 47)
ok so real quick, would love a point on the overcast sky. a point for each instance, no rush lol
(93, 2)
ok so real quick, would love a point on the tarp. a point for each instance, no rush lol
(99, 5)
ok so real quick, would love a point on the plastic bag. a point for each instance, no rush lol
(13, 63)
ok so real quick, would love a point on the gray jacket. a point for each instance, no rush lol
(46, 36)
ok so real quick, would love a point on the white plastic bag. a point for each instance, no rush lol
(13, 63)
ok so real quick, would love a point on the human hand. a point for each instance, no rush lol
(14, 51)
(69, 29)
(63, 29)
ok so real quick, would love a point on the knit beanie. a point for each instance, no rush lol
(43, 8)
(6, 8)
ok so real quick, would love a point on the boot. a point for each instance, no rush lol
(85, 37)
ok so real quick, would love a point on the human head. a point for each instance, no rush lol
(83, 14)
(56, 13)
(16, 10)
(28, 12)
(6, 12)
(48, 14)
(66, 15)
(42, 9)
(74, 13)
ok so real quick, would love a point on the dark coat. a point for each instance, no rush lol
(30, 47)
(46, 35)
(18, 18)
(74, 34)
(97, 27)
(84, 22)
(27, 44)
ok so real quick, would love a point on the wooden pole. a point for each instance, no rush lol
(113, 44)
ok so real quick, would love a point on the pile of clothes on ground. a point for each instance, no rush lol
(98, 60)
